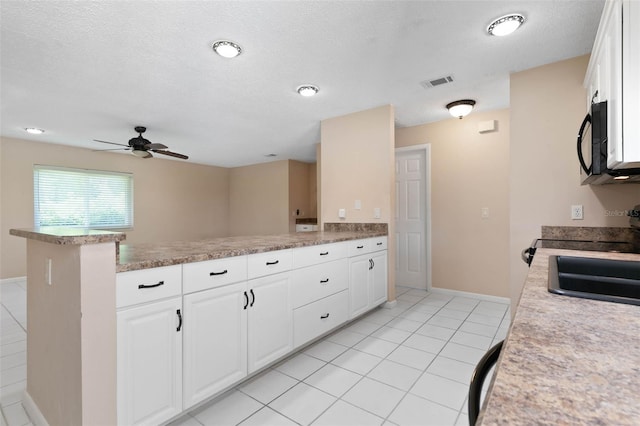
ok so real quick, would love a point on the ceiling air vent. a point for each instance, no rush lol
(427, 84)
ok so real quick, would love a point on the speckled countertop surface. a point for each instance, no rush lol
(143, 256)
(567, 360)
(68, 236)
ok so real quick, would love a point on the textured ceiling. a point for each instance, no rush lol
(87, 70)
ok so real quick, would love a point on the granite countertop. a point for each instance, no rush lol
(567, 360)
(152, 255)
(68, 236)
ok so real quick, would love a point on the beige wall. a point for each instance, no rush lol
(313, 190)
(259, 199)
(356, 162)
(355, 165)
(547, 107)
(71, 357)
(173, 200)
(299, 195)
(469, 171)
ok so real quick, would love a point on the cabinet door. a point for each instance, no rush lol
(149, 371)
(378, 279)
(270, 320)
(359, 285)
(215, 341)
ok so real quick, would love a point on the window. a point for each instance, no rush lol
(82, 198)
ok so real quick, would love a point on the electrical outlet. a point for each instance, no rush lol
(357, 205)
(342, 213)
(376, 213)
(576, 212)
(484, 212)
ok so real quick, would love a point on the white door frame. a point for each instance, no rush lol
(426, 148)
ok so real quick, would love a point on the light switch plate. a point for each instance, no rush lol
(376, 213)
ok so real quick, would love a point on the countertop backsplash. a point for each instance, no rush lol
(591, 238)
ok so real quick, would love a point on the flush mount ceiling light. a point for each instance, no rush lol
(34, 130)
(226, 48)
(461, 108)
(505, 25)
(307, 90)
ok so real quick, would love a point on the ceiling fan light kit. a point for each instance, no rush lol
(505, 25)
(461, 108)
(141, 147)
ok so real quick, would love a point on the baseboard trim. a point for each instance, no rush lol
(33, 411)
(13, 280)
(390, 304)
(488, 298)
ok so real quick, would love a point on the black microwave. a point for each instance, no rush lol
(593, 131)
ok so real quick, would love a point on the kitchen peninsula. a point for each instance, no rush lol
(91, 298)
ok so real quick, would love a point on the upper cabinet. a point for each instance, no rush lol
(613, 75)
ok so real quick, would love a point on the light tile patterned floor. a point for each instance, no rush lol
(409, 365)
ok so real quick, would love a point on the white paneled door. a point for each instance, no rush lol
(411, 219)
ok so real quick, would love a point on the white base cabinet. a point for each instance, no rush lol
(270, 320)
(188, 332)
(367, 275)
(215, 341)
(149, 354)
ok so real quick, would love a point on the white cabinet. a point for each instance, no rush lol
(234, 329)
(613, 75)
(149, 352)
(215, 341)
(319, 317)
(270, 320)
(367, 275)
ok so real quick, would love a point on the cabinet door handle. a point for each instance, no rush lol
(324, 281)
(324, 253)
(151, 285)
(325, 316)
(359, 247)
(273, 263)
(253, 297)
(246, 300)
(370, 264)
(211, 274)
(180, 320)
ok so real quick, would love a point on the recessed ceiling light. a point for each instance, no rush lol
(505, 25)
(461, 108)
(34, 130)
(308, 90)
(226, 48)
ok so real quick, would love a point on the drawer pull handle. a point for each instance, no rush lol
(360, 247)
(151, 285)
(253, 297)
(211, 274)
(324, 253)
(325, 316)
(180, 320)
(273, 263)
(378, 244)
(324, 281)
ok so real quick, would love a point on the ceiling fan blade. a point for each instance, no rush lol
(114, 149)
(112, 143)
(155, 146)
(171, 154)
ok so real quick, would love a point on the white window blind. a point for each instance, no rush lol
(82, 198)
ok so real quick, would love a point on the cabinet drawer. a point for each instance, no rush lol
(312, 255)
(317, 318)
(271, 262)
(146, 285)
(316, 282)
(378, 243)
(366, 245)
(358, 247)
(214, 273)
